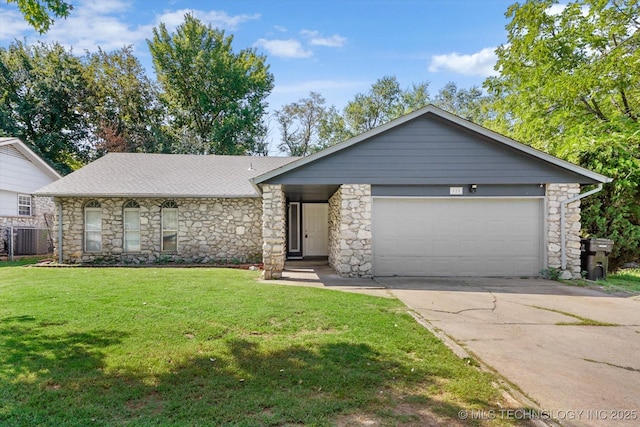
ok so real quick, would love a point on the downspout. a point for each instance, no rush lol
(60, 232)
(563, 237)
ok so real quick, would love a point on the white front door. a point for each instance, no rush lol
(315, 223)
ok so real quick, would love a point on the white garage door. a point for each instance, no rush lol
(457, 237)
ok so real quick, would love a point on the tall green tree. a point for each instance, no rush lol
(125, 109)
(299, 125)
(42, 90)
(384, 102)
(40, 13)
(471, 104)
(215, 97)
(332, 128)
(569, 84)
(307, 125)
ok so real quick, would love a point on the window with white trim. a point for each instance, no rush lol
(131, 222)
(93, 226)
(169, 226)
(24, 205)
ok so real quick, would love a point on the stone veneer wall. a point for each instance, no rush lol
(350, 230)
(273, 231)
(43, 210)
(335, 219)
(555, 194)
(209, 230)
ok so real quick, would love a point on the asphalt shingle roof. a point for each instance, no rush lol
(165, 175)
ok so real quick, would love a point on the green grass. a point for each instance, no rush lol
(624, 279)
(195, 347)
(20, 261)
(582, 321)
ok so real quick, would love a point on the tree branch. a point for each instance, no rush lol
(627, 107)
(594, 109)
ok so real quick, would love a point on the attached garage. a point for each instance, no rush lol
(457, 236)
(432, 194)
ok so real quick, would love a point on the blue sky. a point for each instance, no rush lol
(335, 47)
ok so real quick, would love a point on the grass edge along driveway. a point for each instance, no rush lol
(214, 347)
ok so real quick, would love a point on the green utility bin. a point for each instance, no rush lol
(594, 257)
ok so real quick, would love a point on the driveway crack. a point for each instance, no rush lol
(626, 368)
(493, 308)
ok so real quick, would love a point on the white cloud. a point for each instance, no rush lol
(316, 39)
(94, 23)
(101, 6)
(87, 29)
(13, 24)
(478, 64)
(290, 48)
(280, 28)
(217, 19)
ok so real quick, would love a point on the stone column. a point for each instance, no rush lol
(350, 230)
(335, 219)
(273, 231)
(555, 194)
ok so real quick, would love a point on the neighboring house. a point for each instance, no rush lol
(21, 173)
(428, 194)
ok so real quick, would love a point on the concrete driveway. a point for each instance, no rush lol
(548, 339)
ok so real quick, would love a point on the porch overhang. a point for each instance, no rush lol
(309, 192)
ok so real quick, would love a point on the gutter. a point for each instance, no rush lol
(563, 237)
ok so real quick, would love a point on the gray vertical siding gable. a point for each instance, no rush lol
(427, 150)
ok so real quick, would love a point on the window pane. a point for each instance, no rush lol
(132, 241)
(132, 219)
(294, 245)
(24, 205)
(169, 241)
(93, 229)
(132, 230)
(93, 241)
(93, 220)
(169, 219)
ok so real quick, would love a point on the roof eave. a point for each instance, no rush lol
(147, 196)
(32, 156)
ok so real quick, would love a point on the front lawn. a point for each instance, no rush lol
(195, 347)
(623, 279)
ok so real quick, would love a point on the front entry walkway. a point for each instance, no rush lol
(315, 272)
(572, 350)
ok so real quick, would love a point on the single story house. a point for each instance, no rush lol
(22, 215)
(428, 194)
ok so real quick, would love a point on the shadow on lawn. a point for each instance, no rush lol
(295, 385)
(49, 378)
(41, 367)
